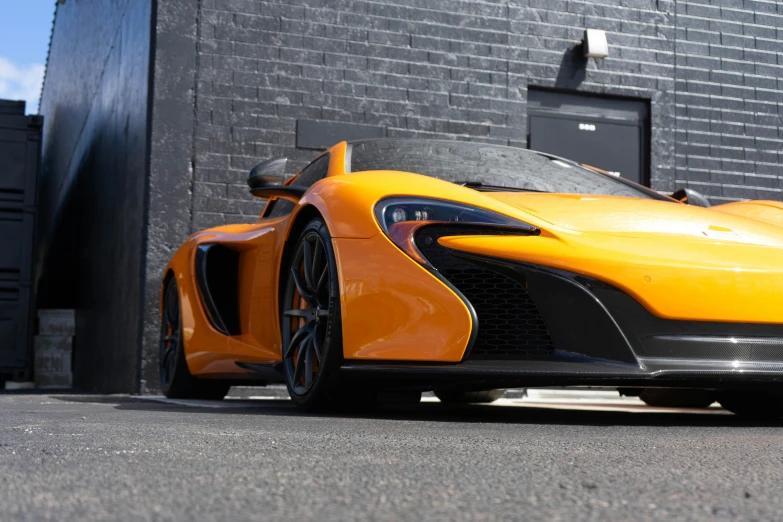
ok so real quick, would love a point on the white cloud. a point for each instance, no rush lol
(21, 82)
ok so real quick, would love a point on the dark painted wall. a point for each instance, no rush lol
(93, 183)
(171, 160)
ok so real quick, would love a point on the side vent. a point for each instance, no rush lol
(217, 275)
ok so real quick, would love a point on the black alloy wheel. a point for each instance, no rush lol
(176, 380)
(310, 320)
(170, 338)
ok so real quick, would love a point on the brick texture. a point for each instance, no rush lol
(728, 79)
(461, 69)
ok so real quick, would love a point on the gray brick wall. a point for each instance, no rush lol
(461, 69)
(729, 75)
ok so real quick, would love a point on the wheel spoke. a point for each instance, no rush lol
(172, 307)
(301, 287)
(317, 347)
(300, 366)
(308, 265)
(167, 361)
(308, 362)
(317, 258)
(321, 280)
(323, 313)
(170, 333)
(170, 363)
(167, 311)
(299, 337)
(167, 353)
(304, 313)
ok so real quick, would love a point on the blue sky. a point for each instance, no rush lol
(25, 26)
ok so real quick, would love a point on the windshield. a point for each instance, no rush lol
(480, 165)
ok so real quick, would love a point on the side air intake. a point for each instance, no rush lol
(217, 276)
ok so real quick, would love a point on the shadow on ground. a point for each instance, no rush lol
(559, 414)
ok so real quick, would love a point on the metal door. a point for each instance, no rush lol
(611, 134)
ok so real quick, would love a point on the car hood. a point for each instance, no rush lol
(642, 218)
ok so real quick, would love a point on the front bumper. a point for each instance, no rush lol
(539, 326)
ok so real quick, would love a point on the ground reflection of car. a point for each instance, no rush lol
(397, 266)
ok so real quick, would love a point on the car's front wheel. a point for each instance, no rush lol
(176, 380)
(310, 320)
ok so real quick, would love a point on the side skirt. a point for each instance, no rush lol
(272, 373)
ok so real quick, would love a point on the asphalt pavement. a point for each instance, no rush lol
(545, 457)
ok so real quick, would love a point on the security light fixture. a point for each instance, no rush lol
(594, 44)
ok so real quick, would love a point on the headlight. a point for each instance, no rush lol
(401, 217)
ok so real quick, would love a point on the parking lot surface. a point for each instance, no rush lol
(547, 457)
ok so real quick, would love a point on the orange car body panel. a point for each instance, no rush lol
(394, 309)
(206, 349)
(767, 211)
(680, 262)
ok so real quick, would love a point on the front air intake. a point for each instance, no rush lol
(510, 325)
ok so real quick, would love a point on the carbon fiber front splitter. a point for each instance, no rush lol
(674, 373)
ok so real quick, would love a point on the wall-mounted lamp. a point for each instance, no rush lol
(594, 44)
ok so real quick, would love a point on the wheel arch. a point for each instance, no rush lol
(305, 214)
(168, 273)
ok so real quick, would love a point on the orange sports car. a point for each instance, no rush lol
(389, 267)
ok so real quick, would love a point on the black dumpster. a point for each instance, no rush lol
(20, 152)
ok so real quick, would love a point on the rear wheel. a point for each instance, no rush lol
(672, 398)
(311, 324)
(176, 380)
(468, 397)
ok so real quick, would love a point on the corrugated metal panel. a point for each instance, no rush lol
(15, 328)
(20, 150)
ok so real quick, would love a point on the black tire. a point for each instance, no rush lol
(755, 405)
(468, 397)
(311, 324)
(673, 398)
(176, 380)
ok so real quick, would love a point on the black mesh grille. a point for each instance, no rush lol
(510, 324)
